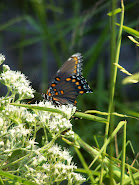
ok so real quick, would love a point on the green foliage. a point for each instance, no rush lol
(106, 162)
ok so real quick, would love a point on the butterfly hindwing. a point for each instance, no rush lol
(68, 82)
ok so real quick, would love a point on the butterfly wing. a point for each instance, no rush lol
(73, 66)
(68, 82)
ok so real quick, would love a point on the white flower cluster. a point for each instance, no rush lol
(56, 166)
(18, 114)
(15, 138)
(16, 82)
(56, 152)
(77, 178)
(3, 126)
(56, 122)
(68, 109)
(4, 101)
(18, 126)
(40, 166)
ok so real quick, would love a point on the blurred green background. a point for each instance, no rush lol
(38, 36)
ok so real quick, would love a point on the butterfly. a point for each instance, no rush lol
(68, 82)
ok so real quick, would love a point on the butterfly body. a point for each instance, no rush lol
(68, 82)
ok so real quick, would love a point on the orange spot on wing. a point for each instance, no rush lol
(75, 102)
(57, 78)
(49, 94)
(53, 85)
(81, 92)
(68, 79)
(77, 83)
(62, 92)
(55, 99)
(76, 60)
(56, 93)
(73, 80)
(75, 68)
(75, 71)
(55, 90)
(79, 87)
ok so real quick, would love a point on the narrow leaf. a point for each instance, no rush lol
(118, 10)
(133, 40)
(16, 178)
(90, 117)
(131, 79)
(130, 30)
(122, 69)
(39, 108)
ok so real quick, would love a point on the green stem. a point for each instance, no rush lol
(123, 156)
(7, 92)
(113, 81)
(56, 110)
(16, 178)
(97, 155)
(1, 181)
(14, 162)
(112, 90)
(39, 108)
(108, 141)
(50, 144)
(90, 117)
(113, 51)
(85, 165)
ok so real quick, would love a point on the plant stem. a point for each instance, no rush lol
(123, 156)
(113, 51)
(113, 81)
(112, 90)
(85, 165)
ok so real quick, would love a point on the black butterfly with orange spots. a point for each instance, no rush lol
(68, 82)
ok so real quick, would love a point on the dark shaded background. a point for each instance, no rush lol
(38, 36)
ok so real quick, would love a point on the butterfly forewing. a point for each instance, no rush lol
(69, 68)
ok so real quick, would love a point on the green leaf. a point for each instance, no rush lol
(16, 178)
(11, 22)
(90, 117)
(133, 40)
(77, 114)
(128, 180)
(118, 10)
(39, 108)
(131, 175)
(129, 30)
(131, 79)
(106, 114)
(122, 69)
(119, 126)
